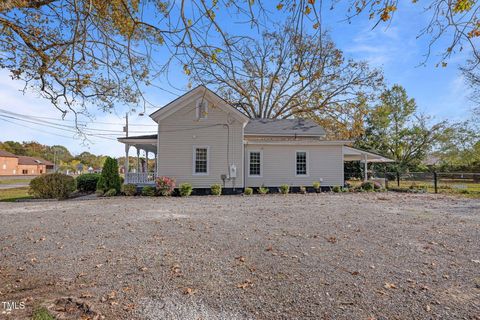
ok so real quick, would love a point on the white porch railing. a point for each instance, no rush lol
(140, 178)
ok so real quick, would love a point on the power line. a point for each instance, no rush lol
(79, 121)
(68, 126)
(2, 117)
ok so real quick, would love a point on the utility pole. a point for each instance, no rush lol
(127, 147)
(125, 129)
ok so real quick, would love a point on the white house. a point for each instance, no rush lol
(203, 140)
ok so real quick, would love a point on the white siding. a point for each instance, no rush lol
(279, 165)
(181, 131)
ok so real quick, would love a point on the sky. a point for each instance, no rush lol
(439, 92)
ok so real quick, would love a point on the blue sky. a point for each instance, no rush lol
(439, 92)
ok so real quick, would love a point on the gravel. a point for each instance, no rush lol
(315, 256)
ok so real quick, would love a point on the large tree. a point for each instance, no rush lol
(288, 74)
(395, 129)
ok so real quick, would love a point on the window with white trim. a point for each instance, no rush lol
(202, 109)
(301, 163)
(255, 165)
(201, 160)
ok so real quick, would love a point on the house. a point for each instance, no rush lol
(11, 164)
(203, 140)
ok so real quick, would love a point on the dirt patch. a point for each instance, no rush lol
(328, 256)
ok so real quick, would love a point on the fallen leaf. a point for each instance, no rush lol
(86, 295)
(246, 284)
(189, 291)
(389, 285)
(269, 248)
(428, 308)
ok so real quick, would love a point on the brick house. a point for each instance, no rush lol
(11, 164)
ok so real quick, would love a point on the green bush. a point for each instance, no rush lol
(284, 189)
(368, 186)
(110, 193)
(317, 185)
(185, 189)
(99, 193)
(303, 190)
(337, 189)
(109, 179)
(262, 190)
(52, 186)
(216, 189)
(129, 189)
(248, 191)
(149, 191)
(87, 182)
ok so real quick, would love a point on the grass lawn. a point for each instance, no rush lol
(14, 181)
(10, 195)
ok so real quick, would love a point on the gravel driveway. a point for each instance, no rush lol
(326, 256)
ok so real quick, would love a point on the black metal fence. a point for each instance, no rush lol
(435, 182)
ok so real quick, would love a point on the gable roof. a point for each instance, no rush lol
(169, 109)
(7, 154)
(283, 127)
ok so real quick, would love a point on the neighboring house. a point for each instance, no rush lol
(11, 164)
(203, 140)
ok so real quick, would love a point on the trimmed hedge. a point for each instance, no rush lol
(248, 191)
(87, 182)
(216, 189)
(129, 189)
(52, 186)
(284, 189)
(185, 189)
(149, 191)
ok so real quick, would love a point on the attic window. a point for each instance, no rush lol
(202, 109)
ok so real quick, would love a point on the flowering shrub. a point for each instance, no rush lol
(165, 185)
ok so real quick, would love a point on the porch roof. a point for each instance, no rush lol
(145, 142)
(354, 154)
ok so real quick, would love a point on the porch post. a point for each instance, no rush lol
(365, 177)
(156, 165)
(126, 164)
(138, 160)
(146, 161)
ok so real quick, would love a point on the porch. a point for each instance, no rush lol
(365, 157)
(140, 173)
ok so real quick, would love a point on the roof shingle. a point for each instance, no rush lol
(284, 127)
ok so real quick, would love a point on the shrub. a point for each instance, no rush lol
(216, 189)
(284, 189)
(129, 189)
(316, 185)
(99, 193)
(52, 186)
(263, 190)
(109, 179)
(110, 193)
(148, 191)
(368, 186)
(248, 191)
(185, 189)
(165, 185)
(87, 182)
(337, 189)
(303, 190)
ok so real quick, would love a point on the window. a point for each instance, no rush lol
(200, 159)
(202, 109)
(4, 166)
(24, 171)
(301, 163)
(255, 163)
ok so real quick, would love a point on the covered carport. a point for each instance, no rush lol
(366, 157)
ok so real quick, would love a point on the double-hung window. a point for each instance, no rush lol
(255, 164)
(301, 163)
(200, 160)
